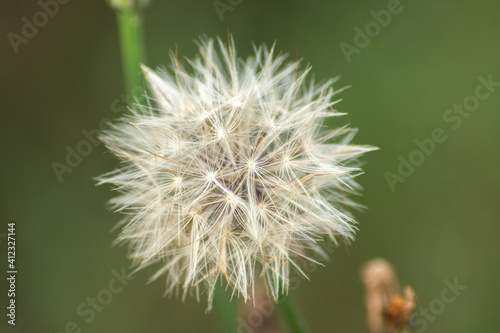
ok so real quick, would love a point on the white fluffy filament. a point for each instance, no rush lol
(228, 172)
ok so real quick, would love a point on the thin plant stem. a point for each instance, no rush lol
(226, 311)
(133, 54)
(291, 315)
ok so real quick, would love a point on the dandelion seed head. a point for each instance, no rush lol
(228, 172)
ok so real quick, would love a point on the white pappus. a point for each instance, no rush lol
(228, 172)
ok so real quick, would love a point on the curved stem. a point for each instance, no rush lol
(291, 315)
(133, 55)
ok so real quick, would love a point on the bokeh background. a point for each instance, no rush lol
(441, 223)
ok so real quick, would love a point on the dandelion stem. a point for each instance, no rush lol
(225, 310)
(128, 14)
(291, 315)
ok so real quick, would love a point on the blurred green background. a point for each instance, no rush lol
(440, 223)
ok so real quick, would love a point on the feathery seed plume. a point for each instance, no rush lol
(229, 173)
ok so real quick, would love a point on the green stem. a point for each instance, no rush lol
(226, 311)
(291, 315)
(133, 53)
